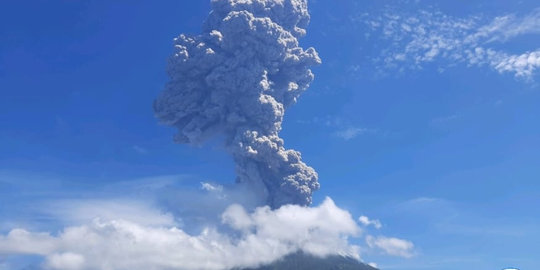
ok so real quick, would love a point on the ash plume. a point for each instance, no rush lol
(237, 78)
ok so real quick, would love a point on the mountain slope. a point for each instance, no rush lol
(302, 261)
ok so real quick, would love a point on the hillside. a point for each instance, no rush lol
(301, 261)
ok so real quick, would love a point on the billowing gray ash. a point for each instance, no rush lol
(237, 78)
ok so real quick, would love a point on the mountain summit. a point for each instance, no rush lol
(302, 261)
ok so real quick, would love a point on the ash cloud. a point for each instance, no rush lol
(237, 79)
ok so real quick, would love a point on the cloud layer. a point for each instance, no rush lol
(247, 240)
(366, 221)
(391, 246)
(236, 79)
(425, 36)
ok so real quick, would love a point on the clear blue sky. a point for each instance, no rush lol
(443, 149)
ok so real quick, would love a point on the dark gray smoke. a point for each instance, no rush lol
(237, 78)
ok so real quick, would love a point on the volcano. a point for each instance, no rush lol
(303, 261)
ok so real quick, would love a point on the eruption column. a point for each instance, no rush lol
(237, 78)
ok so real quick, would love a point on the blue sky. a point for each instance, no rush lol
(439, 145)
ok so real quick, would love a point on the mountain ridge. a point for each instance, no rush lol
(303, 261)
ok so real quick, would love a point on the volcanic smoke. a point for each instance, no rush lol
(237, 78)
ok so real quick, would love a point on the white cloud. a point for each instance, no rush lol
(374, 265)
(366, 221)
(509, 26)
(84, 211)
(211, 187)
(19, 241)
(341, 128)
(67, 261)
(391, 246)
(261, 237)
(429, 35)
(351, 133)
(523, 65)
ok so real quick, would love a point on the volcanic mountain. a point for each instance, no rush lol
(302, 261)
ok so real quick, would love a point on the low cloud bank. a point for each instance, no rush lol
(248, 239)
